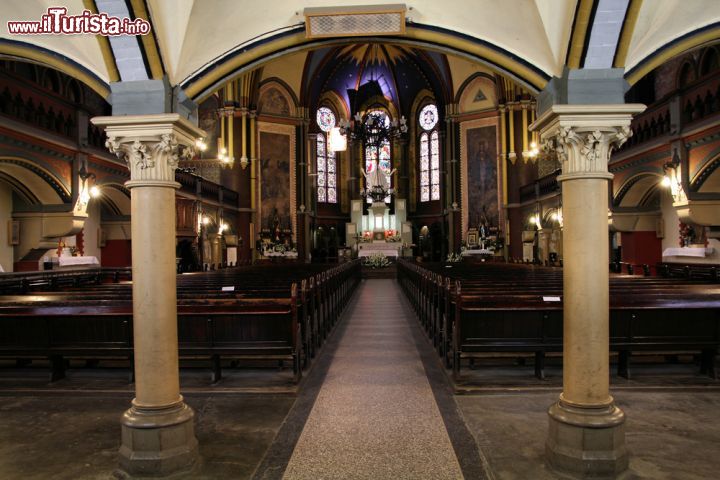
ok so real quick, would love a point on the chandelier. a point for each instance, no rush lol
(375, 129)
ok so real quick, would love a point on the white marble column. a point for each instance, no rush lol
(586, 434)
(157, 431)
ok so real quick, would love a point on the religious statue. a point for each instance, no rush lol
(378, 177)
(275, 226)
(483, 231)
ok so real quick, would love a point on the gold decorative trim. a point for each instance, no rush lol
(31, 53)
(297, 42)
(104, 43)
(464, 127)
(580, 31)
(626, 34)
(654, 60)
(288, 130)
(151, 51)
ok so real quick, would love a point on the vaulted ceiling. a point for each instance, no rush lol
(199, 44)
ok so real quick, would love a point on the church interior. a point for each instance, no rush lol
(464, 239)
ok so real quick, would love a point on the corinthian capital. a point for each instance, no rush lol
(150, 145)
(583, 136)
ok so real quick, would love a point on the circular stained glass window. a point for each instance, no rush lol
(428, 117)
(325, 119)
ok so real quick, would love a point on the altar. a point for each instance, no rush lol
(389, 249)
(64, 261)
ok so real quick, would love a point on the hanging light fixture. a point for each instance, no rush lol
(372, 131)
(337, 141)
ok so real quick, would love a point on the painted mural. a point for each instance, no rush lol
(274, 103)
(482, 177)
(275, 180)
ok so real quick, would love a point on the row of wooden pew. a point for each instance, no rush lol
(278, 313)
(471, 310)
(25, 282)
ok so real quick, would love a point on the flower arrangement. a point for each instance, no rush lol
(366, 236)
(376, 260)
(453, 257)
(687, 234)
(392, 236)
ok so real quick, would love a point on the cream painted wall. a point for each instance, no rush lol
(192, 34)
(289, 69)
(6, 206)
(658, 25)
(671, 239)
(461, 69)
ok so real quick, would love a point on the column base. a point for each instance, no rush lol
(158, 442)
(589, 442)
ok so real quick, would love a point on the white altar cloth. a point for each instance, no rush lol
(72, 261)
(387, 249)
(687, 252)
(483, 251)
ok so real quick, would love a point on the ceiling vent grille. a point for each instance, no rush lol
(355, 21)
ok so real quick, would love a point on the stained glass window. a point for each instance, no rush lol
(428, 117)
(424, 168)
(429, 155)
(326, 167)
(325, 119)
(434, 166)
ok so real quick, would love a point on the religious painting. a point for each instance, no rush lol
(482, 176)
(273, 102)
(275, 180)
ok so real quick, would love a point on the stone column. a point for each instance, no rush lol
(586, 434)
(157, 430)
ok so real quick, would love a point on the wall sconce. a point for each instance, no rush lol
(223, 157)
(227, 160)
(535, 220)
(672, 178)
(534, 151)
(87, 193)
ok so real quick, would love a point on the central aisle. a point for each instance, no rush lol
(375, 415)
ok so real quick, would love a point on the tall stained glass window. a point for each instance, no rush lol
(384, 163)
(326, 164)
(429, 154)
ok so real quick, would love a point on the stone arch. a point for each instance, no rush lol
(707, 179)
(43, 56)
(334, 102)
(115, 198)
(51, 81)
(231, 66)
(73, 91)
(687, 73)
(638, 190)
(35, 184)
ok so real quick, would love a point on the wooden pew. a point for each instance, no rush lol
(479, 311)
(267, 321)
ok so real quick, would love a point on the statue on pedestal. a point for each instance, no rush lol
(377, 182)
